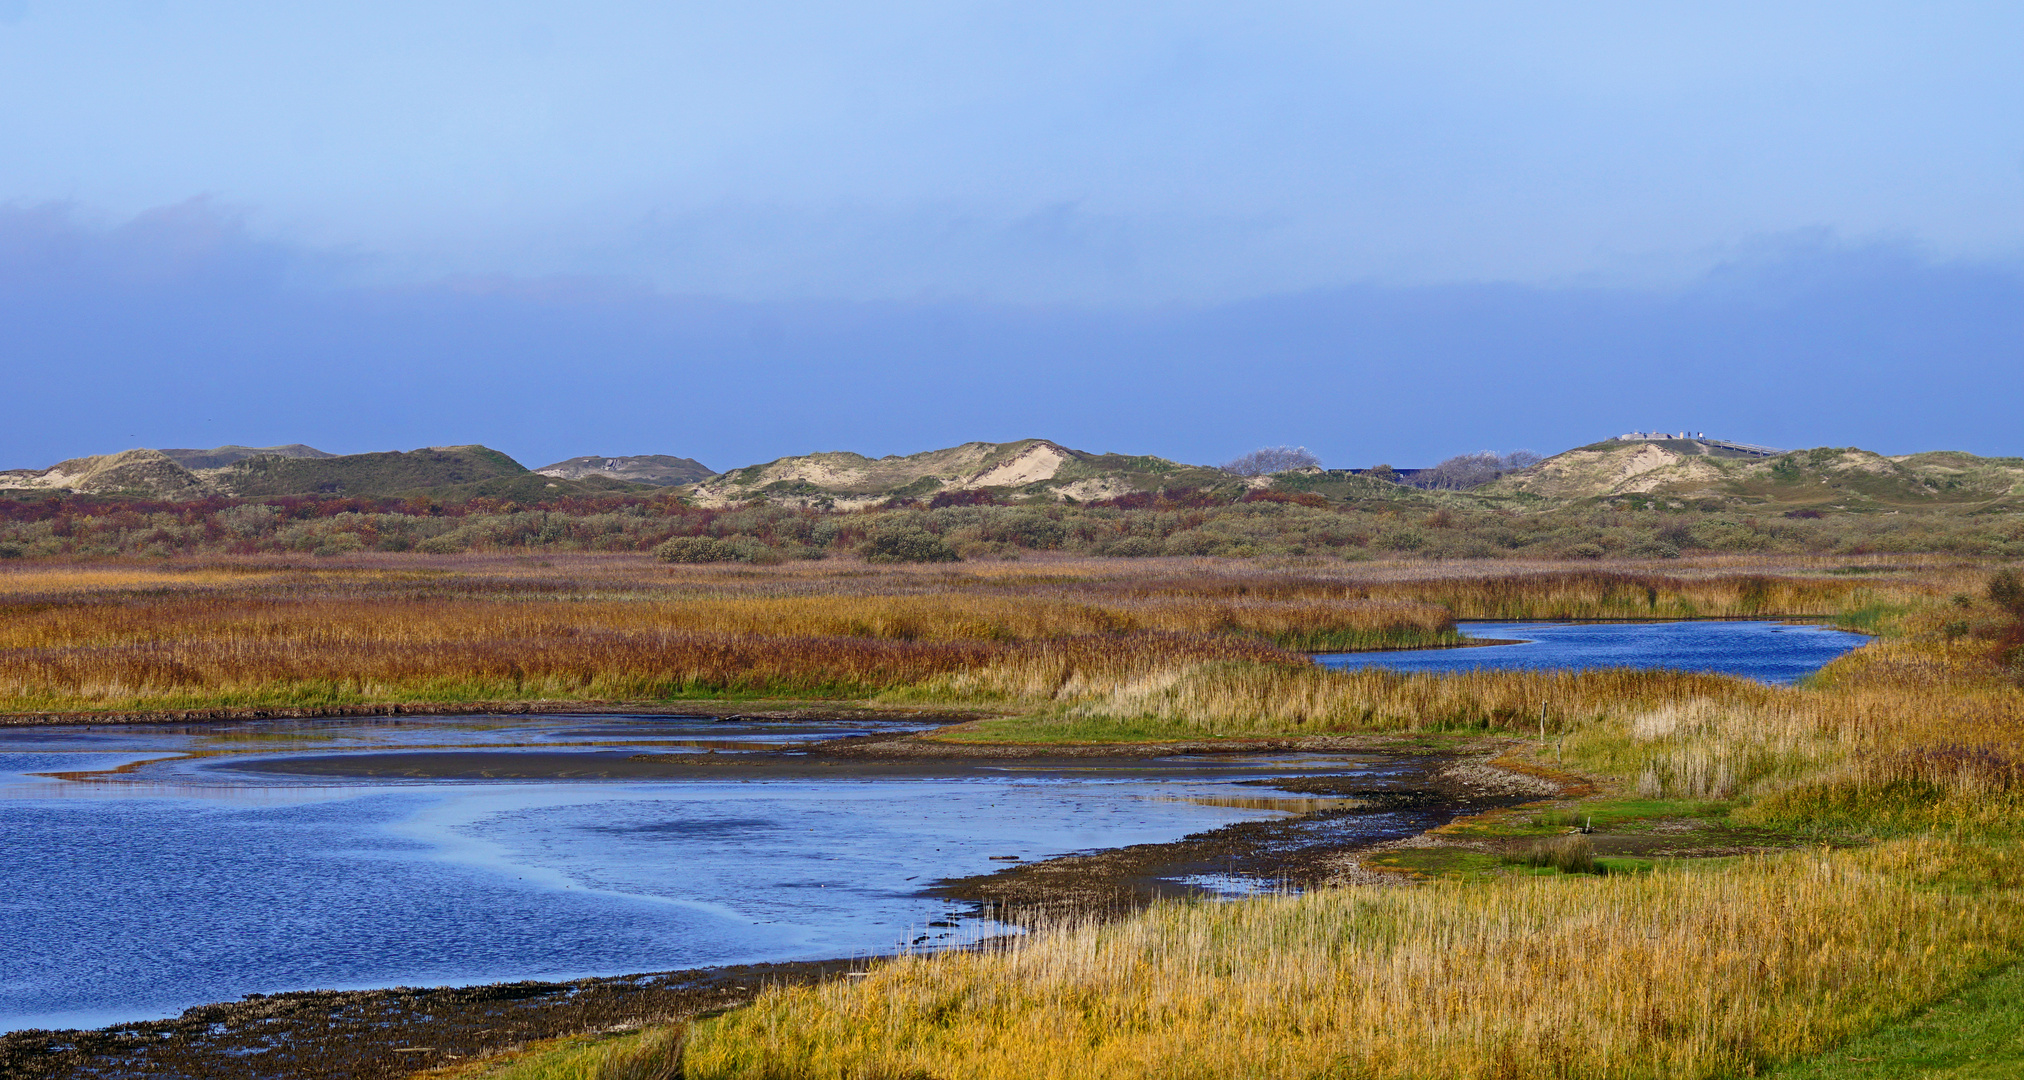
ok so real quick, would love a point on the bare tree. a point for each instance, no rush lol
(1465, 471)
(1272, 459)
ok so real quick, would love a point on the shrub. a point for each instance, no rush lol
(11, 550)
(2006, 590)
(695, 549)
(337, 544)
(1131, 547)
(907, 545)
(1567, 854)
(1399, 538)
(1029, 529)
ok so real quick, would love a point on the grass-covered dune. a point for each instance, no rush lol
(473, 500)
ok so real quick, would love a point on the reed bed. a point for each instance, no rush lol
(246, 631)
(396, 618)
(582, 666)
(1674, 974)
(85, 642)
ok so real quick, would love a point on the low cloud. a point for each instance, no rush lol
(180, 328)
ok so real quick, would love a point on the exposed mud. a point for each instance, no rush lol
(1317, 847)
(370, 1034)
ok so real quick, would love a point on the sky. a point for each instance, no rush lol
(1385, 231)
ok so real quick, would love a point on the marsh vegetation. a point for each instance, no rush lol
(1889, 787)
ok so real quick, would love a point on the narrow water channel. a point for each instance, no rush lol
(1772, 652)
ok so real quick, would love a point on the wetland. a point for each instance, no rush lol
(245, 838)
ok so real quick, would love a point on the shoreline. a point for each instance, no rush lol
(344, 1035)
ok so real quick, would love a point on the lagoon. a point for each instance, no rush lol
(258, 857)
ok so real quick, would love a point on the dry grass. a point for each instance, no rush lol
(604, 629)
(1674, 974)
(417, 629)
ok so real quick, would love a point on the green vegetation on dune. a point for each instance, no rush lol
(390, 473)
(220, 456)
(1139, 472)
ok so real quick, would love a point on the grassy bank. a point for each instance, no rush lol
(1677, 974)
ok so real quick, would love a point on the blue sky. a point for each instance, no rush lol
(1385, 231)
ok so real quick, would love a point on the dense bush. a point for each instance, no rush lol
(695, 549)
(1186, 523)
(906, 544)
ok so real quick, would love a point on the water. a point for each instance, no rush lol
(1771, 652)
(202, 874)
(174, 865)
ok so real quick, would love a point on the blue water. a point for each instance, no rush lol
(1771, 652)
(191, 879)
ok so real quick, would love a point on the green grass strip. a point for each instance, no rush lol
(1977, 1034)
